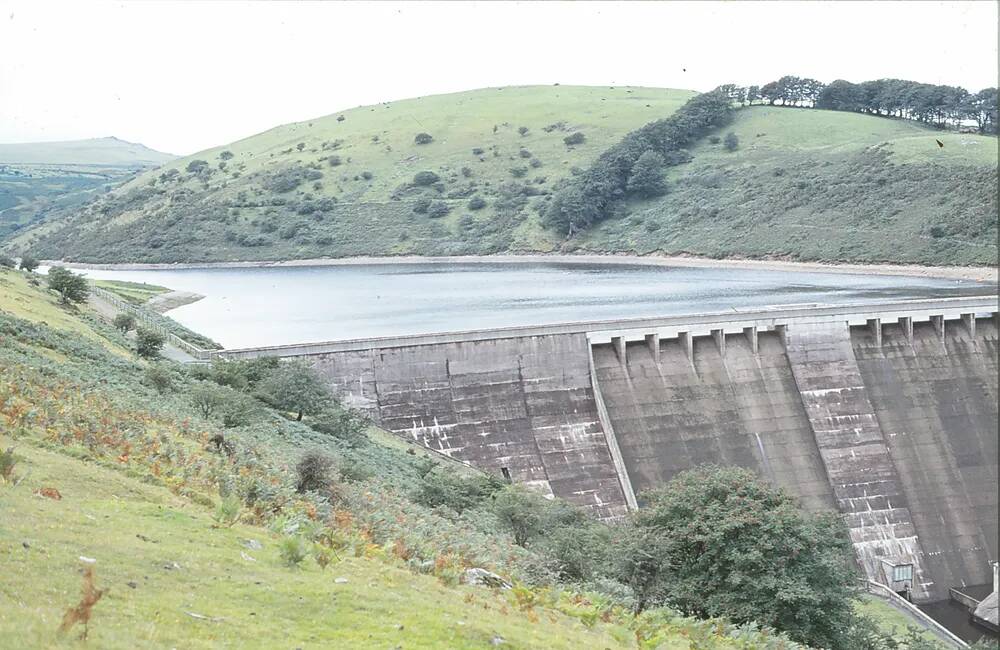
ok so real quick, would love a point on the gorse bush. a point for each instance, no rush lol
(315, 471)
(148, 342)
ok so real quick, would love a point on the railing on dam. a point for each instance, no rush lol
(622, 330)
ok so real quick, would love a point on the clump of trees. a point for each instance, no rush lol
(646, 178)
(28, 264)
(591, 196)
(936, 105)
(72, 288)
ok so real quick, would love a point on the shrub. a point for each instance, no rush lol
(518, 172)
(938, 231)
(344, 424)
(477, 203)
(124, 322)
(478, 151)
(715, 139)
(196, 166)
(524, 153)
(646, 177)
(28, 264)
(459, 493)
(731, 142)
(226, 155)
(423, 138)
(148, 343)
(520, 512)
(71, 287)
(574, 139)
(227, 512)
(425, 178)
(438, 209)
(420, 206)
(159, 377)
(367, 175)
(333, 161)
(523, 130)
(295, 387)
(6, 261)
(293, 550)
(314, 472)
(8, 461)
(536, 163)
(467, 172)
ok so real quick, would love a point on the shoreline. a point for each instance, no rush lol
(971, 273)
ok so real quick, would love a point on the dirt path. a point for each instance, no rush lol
(108, 311)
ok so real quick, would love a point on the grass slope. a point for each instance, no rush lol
(137, 533)
(365, 204)
(822, 185)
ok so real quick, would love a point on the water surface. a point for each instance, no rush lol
(275, 305)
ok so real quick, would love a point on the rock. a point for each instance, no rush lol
(341, 581)
(25, 544)
(497, 640)
(253, 544)
(132, 584)
(477, 576)
(172, 566)
(88, 560)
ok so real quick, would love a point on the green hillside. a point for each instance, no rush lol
(342, 184)
(822, 185)
(38, 179)
(801, 184)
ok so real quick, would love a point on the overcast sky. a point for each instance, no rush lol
(184, 76)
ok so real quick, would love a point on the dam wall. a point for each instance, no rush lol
(887, 413)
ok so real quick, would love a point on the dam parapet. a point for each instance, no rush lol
(885, 412)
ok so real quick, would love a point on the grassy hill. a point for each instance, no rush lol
(822, 185)
(803, 184)
(115, 469)
(342, 184)
(41, 178)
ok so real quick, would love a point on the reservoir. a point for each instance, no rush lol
(276, 305)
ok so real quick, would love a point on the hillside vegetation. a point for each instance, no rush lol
(558, 169)
(42, 178)
(224, 525)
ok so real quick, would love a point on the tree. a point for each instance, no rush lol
(295, 387)
(731, 142)
(148, 343)
(207, 398)
(520, 511)
(196, 166)
(70, 286)
(124, 322)
(28, 264)
(646, 177)
(738, 548)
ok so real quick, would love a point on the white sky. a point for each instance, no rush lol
(184, 76)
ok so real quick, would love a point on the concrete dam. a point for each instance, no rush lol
(886, 413)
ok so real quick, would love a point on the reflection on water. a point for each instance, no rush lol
(275, 305)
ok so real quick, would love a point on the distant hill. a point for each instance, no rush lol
(801, 184)
(97, 152)
(38, 178)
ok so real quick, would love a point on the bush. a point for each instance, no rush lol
(314, 472)
(207, 398)
(124, 322)
(7, 262)
(477, 203)
(148, 343)
(28, 264)
(344, 424)
(523, 130)
(575, 138)
(367, 175)
(423, 138)
(715, 139)
(467, 172)
(731, 142)
(8, 461)
(159, 377)
(478, 151)
(524, 153)
(334, 161)
(460, 493)
(425, 178)
(293, 550)
(519, 511)
(438, 209)
(296, 387)
(646, 177)
(196, 166)
(420, 206)
(227, 512)
(226, 155)
(536, 163)
(71, 287)
(518, 172)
